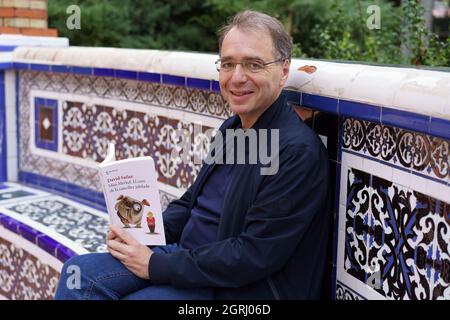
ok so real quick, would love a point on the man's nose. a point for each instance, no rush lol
(239, 74)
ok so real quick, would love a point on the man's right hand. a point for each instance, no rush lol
(112, 236)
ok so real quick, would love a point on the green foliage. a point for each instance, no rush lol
(323, 29)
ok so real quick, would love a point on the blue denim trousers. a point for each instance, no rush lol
(103, 277)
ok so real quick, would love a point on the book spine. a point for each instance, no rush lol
(105, 194)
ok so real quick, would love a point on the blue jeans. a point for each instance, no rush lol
(101, 277)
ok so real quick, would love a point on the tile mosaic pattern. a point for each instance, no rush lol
(23, 276)
(79, 225)
(183, 98)
(398, 235)
(46, 123)
(14, 195)
(86, 129)
(345, 293)
(408, 150)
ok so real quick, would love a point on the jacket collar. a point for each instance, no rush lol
(266, 118)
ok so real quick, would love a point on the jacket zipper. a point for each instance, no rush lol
(273, 289)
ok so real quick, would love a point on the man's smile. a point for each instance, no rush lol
(241, 92)
(241, 95)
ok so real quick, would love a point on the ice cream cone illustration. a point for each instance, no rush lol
(151, 222)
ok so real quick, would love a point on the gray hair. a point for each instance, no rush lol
(249, 20)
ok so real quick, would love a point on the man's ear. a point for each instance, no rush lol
(285, 71)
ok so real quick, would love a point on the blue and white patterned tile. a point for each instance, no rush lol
(71, 224)
(27, 271)
(441, 276)
(345, 293)
(391, 229)
(407, 150)
(17, 193)
(77, 162)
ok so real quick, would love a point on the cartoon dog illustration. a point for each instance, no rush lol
(130, 210)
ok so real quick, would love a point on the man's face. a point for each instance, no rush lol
(250, 94)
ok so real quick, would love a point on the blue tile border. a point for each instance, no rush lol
(10, 224)
(3, 138)
(61, 68)
(6, 65)
(440, 128)
(320, 102)
(82, 70)
(39, 67)
(63, 253)
(173, 80)
(47, 244)
(215, 86)
(4, 48)
(149, 77)
(198, 83)
(292, 96)
(406, 120)
(53, 105)
(353, 109)
(21, 66)
(126, 74)
(88, 197)
(28, 233)
(36, 237)
(103, 72)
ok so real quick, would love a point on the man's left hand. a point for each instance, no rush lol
(134, 255)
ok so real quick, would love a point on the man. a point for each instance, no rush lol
(235, 233)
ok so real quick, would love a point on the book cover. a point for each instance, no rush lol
(132, 197)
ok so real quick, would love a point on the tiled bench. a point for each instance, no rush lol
(39, 231)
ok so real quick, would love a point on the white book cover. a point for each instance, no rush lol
(132, 197)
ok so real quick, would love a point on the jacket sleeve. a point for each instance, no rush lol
(286, 204)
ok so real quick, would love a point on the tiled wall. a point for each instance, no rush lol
(390, 169)
(75, 116)
(394, 213)
(3, 173)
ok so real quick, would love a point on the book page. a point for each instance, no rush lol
(132, 197)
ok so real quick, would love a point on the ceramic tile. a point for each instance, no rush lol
(388, 226)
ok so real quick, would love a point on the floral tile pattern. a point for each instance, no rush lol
(409, 150)
(23, 276)
(87, 128)
(398, 234)
(79, 225)
(345, 293)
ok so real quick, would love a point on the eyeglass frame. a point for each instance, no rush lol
(241, 63)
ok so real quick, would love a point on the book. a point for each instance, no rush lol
(132, 196)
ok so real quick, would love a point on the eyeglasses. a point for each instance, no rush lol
(253, 66)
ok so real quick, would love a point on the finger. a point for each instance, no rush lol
(116, 254)
(125, 236)
(118, 246)
(111, 235)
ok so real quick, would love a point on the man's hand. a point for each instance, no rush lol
(132, 254)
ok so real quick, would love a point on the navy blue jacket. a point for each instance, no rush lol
(272, 236)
